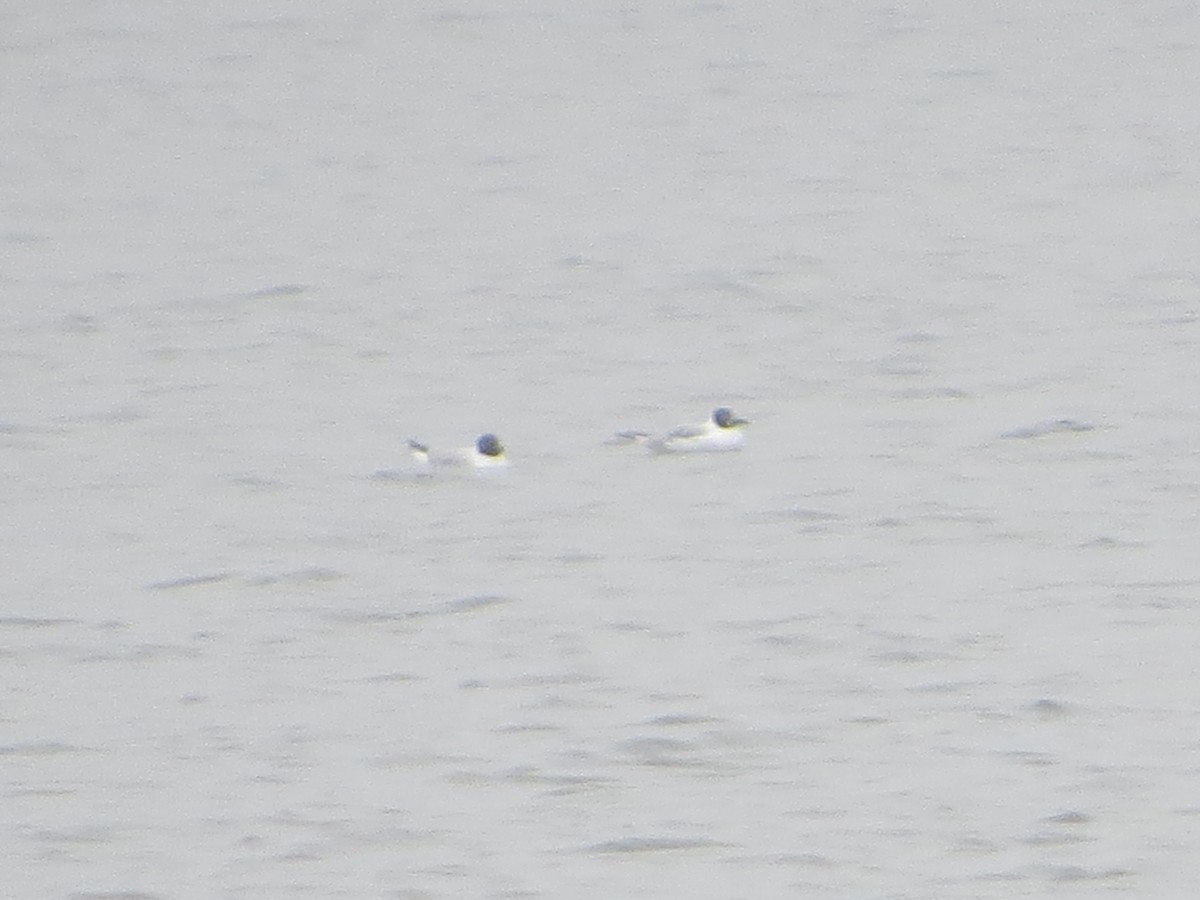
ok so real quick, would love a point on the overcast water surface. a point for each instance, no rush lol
(932, 633)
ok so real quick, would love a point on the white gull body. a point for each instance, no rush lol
(486, 453)
(721, 432)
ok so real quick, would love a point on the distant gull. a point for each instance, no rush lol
(487, 453)
(722, 431)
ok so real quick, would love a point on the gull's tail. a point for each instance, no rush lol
(622, 438)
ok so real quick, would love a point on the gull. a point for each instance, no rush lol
(486, 453)
(722, 431)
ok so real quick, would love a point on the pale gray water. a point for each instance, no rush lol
(932, 634)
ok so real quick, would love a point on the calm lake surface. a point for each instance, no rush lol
(933, 633)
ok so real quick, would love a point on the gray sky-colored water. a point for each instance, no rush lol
(932, 633)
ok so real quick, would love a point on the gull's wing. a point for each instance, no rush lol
(685, 431)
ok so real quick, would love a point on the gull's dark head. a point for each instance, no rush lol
(489, 445)
(724, 418)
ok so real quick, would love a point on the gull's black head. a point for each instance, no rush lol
(724, 418)
(489, 445)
